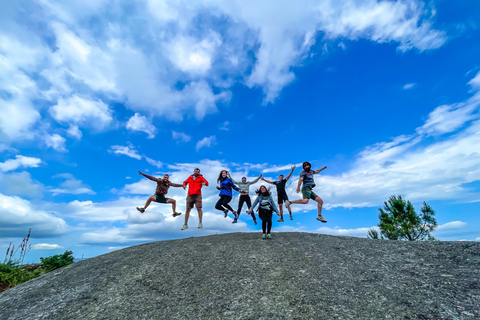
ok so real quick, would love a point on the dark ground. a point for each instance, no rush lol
(241, 276)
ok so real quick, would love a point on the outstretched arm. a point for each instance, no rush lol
(256, 180)
(228, 174)
(254, 204)
(147, 176)
(235, 187)
(318, 171)
(290, 174)
(267, 181)
(175, 185)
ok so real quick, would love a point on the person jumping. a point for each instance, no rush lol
(244, 187)
(226, 186)
(194, 198)
(266, 208)
(160, 192)
(306, 177)
(282, 193)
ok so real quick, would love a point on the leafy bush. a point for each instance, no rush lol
(11, 274)
(57, 261)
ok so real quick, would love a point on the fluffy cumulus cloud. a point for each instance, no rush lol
(140, 123)
(79, 111)
(20, 162)
(206, 142)
(46, 246)
(56, 142)
(18, 215)
(128, 151)
(79, 57)
(20, 184)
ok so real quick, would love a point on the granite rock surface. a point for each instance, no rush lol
(241, 276)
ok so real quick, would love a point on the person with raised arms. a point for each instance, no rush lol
(226, 186)
(306, 177)
(265, 210)
(195, 183)
(160, 192)
(282, 193)
(244, 187)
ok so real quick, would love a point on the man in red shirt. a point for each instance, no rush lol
(194, 198)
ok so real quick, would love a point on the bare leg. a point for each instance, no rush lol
(302, 201)
(174, 204)
(149, 200)
(200, 214)
(320, 205)
(187, 214)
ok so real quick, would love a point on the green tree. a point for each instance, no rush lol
(400, 221)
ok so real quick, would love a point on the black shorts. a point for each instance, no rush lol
(281, 198)
(160, 198)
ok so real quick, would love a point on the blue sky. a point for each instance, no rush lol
(386, 94)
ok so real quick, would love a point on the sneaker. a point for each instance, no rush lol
(287, 203)
(291, 217)
(226, 212)
(234, 221)
(269, 236)
(176, 214)
(200, 225)
(185, 227)
(264, 236)
(280, 220)
(141, 209)
(321, 218)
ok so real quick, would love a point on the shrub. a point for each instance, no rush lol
(57, 261)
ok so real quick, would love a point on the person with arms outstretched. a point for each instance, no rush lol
(306, 177)
(160, 192)
(244, 187)
(282, 193)
(226, 186)
(195, 183)
(265, 210)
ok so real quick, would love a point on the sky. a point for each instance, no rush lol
(385, 94)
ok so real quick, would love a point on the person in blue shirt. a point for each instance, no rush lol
(265, 210)
(226, 186)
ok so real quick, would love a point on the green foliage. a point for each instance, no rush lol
(11, 274)
(57, 261)
(400, 221)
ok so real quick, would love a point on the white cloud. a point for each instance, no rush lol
(78, 111)
(206, 142)
(18, 162)
(46, 246)
(128, 151)
(74, 132)
(409, 86)
(70, 186)
(18, 215)
(454, 225)
(180, 136)
(358, 232)
(20, 184)
(55, 141)
(225, 126)
(140, 123)
(154, 163)
(72, 66)
(475, 82)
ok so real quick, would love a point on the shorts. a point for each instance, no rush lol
(194, 199)
(160, 198)
(281, 198)
(308, 193)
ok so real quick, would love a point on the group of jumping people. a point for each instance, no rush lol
(226, 184)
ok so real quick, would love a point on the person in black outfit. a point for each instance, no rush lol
(282, 193)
